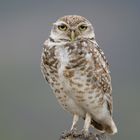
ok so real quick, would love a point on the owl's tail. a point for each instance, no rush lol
(109, 127)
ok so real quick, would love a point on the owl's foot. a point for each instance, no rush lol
(73, 131)
(86, 134)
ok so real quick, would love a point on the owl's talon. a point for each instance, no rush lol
(64, 134)
(73, 131)
(85, 133)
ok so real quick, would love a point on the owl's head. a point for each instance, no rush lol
(71, 28)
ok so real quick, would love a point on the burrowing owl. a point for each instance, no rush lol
(78, 72)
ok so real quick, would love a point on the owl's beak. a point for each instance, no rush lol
(72, 36)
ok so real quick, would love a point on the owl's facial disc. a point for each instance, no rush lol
(64, 31)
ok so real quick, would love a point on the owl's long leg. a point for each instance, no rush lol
(87, 124)
(75, 120)
(73, 131)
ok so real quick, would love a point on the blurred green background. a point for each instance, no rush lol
(28, 109)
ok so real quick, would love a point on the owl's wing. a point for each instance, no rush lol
(103, 75)
(101, 56)
(102, 84)
(46, 62)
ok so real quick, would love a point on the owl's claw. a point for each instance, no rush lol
(86, 134)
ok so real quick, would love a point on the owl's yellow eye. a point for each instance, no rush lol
(82, 27)
(62, 27)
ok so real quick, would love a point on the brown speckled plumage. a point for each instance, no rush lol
(72, 20)
(78, 73)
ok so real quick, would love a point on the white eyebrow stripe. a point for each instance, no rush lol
(84, 23)
(59, 23)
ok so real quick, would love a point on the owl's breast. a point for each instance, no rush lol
(74, 65)
(71, 58)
